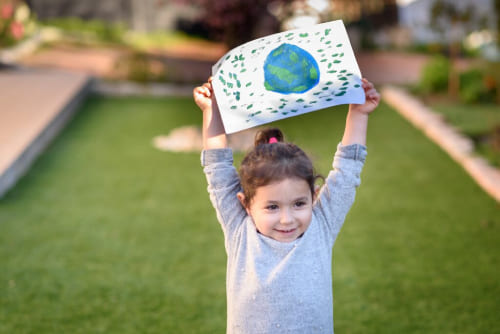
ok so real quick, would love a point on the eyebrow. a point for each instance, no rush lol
(303, 198)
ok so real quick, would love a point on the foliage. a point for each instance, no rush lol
(480, 122)
(488, 146)
(141, 67)
(158, 40)
(435, 74)
(476, 112)
(234, 21)
(496, 4)
(88, 30)
(454, 23)
(450, 19)
(492, 68)
(237, 21)
(15, 22)
(476, 86)
(471, 119)
(108, 235)
(480, 84)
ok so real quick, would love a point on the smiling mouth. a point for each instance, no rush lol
(287, 231)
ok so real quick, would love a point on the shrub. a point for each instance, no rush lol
(106, 32)
(434, 76)
(141, 67)
(15, 22)
(476, 86)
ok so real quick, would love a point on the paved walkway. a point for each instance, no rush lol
(35, 104)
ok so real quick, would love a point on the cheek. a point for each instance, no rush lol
(264, 220)
(306, 216)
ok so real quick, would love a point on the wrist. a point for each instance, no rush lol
(356, 127)
(358, 114)
(213, 132)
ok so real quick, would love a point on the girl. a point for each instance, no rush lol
(278, 233)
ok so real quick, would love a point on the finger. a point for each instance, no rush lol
(202, 90)
(205, 90)
(208, 87)
(367, 85)
(372, 93)
(196, 91)
(374, 97)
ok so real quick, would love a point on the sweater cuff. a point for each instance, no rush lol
(216, 155)
(354, 151)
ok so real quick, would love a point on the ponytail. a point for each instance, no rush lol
(268, 136)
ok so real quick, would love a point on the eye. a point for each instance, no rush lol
(300, 203)
(272, 207)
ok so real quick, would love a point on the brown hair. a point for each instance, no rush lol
(270, 162)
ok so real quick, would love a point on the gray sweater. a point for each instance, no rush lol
(275, 287)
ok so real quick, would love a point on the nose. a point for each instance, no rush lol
(286, 217)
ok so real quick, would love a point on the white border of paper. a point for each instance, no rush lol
(238, 77)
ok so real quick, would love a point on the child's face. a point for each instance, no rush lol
(282, 210)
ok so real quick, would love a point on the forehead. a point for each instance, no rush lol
(286, 189)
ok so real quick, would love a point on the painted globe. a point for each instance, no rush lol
(290, 69)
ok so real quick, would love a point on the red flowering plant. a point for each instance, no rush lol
(15, 20)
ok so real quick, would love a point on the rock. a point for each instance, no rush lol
(189, 139)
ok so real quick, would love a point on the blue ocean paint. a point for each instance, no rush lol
(290, 69)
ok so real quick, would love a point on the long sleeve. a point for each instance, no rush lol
(223, 186)
(337, 195)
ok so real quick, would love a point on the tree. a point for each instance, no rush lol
(238, 21)
(235, 21)
(497, 14)
(454, 24)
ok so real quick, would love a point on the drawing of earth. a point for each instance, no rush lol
(290, 69)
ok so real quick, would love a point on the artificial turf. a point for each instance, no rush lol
(107, 234)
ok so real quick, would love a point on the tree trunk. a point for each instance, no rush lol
(453, 77)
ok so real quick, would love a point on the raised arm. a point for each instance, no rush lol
(214, 135)
(357, 117)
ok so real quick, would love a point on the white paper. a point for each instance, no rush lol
(285, 75)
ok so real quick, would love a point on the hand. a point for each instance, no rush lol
(372, 99)
(204, 96)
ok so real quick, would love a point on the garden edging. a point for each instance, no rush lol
(459, 147)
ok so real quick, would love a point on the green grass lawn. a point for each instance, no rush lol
(106, 234)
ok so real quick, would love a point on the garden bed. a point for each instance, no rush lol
(480, 122)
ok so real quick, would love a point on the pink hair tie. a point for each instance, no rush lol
(273, 140)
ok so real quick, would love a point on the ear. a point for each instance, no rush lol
(241, 198)
(317, 188)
